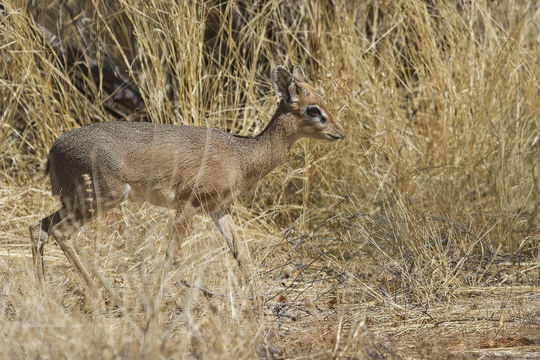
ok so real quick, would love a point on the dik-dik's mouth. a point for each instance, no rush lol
(333, 137)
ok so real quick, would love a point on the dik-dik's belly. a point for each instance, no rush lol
(164, 197)
(204, 199)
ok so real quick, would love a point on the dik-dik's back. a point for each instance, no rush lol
(157, 161)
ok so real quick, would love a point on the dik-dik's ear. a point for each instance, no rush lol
(298, 73)
(284, 84)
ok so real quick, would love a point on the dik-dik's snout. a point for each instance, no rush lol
(338, 134)
(334, 131)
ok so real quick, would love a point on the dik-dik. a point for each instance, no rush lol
(191, 169)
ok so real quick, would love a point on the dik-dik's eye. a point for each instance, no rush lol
(315, 112)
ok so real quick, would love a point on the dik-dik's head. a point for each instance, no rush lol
(307, 106)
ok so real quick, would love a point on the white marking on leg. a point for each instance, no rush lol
(127, 191)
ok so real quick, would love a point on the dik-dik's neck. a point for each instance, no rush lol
(271, 146)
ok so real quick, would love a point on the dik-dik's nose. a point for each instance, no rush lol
(339, 132)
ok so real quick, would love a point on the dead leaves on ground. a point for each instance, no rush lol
(507, 342)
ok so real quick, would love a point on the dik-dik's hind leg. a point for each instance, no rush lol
(62, 233)
(39, 235)
(183, 216)
(92, 200)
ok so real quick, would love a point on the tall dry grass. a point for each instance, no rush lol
(434, 191)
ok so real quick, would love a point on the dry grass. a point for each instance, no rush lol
(418, 236)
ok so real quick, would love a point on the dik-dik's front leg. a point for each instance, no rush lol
(225, 223)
